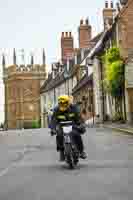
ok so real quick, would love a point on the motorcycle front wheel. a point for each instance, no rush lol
(72, 162)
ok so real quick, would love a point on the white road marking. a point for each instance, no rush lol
(6, 170)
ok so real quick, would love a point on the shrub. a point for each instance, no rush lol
(35, 124)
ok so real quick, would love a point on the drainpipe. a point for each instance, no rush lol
(103, 103)
(124, 99)
(93, 99)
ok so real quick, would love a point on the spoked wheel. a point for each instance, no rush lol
(75, 155)
(71, 162)
(69, 156)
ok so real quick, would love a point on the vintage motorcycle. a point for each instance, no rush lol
(71, 151)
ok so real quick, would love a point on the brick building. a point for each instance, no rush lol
(22, 93)
(67, 75)
(118, 29)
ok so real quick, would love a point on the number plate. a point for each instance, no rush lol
(67, 129)
(67, 139)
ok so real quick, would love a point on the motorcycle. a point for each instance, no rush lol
(71, 151)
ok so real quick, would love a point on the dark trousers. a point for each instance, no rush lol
(77, 138)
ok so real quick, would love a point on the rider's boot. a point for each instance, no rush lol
(62, 156)
(83, 155)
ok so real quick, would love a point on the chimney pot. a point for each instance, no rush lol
(118, 6)
(87, 22)
(106, 4)
(66, 34)
(112, 5)
(70, 34)
(62, 34)
(81, 22)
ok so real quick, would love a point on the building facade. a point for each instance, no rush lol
(129, 87)
(117, 30)
(22, 94)
(55, 85)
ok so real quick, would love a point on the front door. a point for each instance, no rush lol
(130, 97)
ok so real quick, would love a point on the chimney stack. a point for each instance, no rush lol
(67, 46)
(85, 34)
(108, 14)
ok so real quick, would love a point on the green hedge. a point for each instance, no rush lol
(36, 124)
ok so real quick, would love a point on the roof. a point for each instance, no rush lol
(51, 83)
(85, 80)
(98, 47)
(106, 34)
(97, 37)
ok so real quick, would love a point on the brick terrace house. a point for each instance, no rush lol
(68, 72)
(119, 29)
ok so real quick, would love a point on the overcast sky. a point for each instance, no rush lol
(34, 24)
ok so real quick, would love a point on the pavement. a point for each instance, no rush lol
(30, 170)
(120, 127)
(123, 128)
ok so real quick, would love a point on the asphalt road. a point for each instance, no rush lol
(29, 167)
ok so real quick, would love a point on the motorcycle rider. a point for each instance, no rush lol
(67, 111)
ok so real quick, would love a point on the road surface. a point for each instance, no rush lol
(29, 167)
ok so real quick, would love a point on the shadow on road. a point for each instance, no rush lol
(63, 167)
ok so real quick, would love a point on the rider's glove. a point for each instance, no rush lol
(53, 132)
(82, 128)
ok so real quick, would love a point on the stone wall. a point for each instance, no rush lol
(22, 99)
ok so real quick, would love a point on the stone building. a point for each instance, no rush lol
(22, 93)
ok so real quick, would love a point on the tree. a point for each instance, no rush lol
(114, 77)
